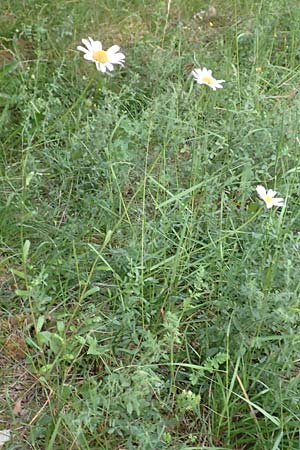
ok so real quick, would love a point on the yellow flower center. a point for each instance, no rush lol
(269, 199)
(100, 56)
(207, 79)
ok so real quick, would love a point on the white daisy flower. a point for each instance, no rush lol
(104, 59)
(268, 197)
(204, 76)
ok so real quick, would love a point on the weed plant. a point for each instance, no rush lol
(149, 300)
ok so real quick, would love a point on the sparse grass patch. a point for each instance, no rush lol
(149, 300)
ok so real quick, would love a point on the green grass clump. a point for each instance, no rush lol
(149, 300)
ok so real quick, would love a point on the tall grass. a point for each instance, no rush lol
(149, 300)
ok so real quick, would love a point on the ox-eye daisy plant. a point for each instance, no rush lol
(269, 197)
(204, 76)
(104, 59)
(150, 176)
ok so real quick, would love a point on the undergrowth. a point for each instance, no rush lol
(149, 300)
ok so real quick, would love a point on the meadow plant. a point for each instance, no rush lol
(148, 301)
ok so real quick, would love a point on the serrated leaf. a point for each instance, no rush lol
(90, 292)
(93, 347)
(129, 408)
(39, 324)
(60, 327)
(22, 293)
(29, 178)
(43, 337)
(46, 368)
(104, 268)
(107, 238)
(7, 68)
(19, 274)
(26, 248)
(56, 343)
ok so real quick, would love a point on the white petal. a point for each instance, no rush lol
(113, 49)
(261, 191)
(271, 193)
(120, 56)
(196, 72)
(269, 205)
(87, 44)
(82, 49)
(97, 46)
(117, 58)
(88, 57)
(102, 67)
(198, 78)
(109, 66)
(278, 201)
(217, 85)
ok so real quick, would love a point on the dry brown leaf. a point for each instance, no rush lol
(18, 407)
(212, 12)
(15, 347)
